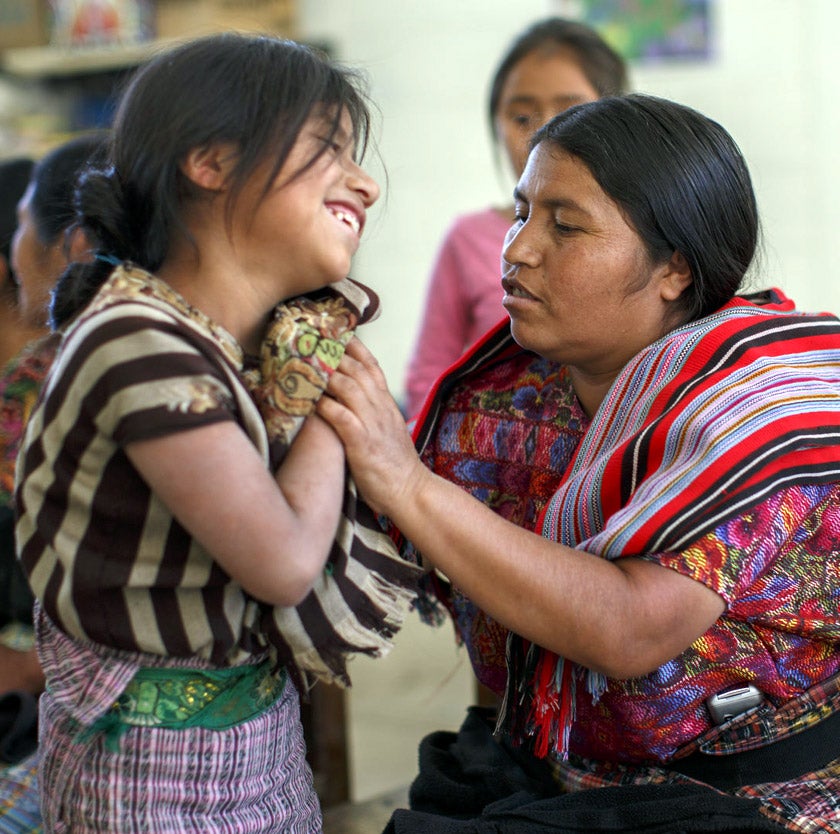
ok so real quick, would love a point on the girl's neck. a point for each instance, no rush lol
(223, 295)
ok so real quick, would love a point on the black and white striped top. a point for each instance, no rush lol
(104, 555)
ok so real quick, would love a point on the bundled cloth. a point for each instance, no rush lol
(360, 600)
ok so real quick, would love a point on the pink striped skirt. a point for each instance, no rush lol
(250, 778)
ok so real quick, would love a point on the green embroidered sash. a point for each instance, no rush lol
(177, 699)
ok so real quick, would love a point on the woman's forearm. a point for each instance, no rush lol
(622, 618)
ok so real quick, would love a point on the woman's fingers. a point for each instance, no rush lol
(359, 353)
(363, 414)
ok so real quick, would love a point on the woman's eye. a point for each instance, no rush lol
(523, 121)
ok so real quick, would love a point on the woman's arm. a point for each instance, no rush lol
(623, 618)
(271, 534)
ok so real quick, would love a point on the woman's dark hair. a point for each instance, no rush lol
(679, 178)
(603, 67)
(14, 178)
(53, 182)
(254, 92)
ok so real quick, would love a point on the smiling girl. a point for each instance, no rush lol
(178, 499)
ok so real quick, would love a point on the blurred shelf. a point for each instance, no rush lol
(65, 62)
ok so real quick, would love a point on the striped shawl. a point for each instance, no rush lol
(696, 430)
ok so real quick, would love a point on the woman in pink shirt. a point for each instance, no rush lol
(552, 65)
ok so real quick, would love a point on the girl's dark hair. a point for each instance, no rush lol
(679, 178)
(255, 92)
(603, 67)
(53, 182)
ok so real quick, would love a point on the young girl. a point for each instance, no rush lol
(164, 554)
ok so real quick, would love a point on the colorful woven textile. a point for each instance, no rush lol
(506, 437)
(20, 382)
(698, 428)
(19, 805)
(251, 778)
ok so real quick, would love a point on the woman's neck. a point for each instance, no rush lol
(15, 334)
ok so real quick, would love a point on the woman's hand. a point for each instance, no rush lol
(377, 443)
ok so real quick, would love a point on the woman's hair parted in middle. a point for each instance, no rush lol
(681, 180)
(252, 91)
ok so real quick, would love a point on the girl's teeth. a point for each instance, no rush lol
(350, 219)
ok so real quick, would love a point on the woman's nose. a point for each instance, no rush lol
(519, 247)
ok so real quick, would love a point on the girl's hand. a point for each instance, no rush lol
(377, 443)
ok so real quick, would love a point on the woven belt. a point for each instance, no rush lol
(789, 758)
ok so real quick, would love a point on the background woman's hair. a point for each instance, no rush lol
(14, 177)
(681, 180)
(603, 67)
(53, 181)
(253, 92)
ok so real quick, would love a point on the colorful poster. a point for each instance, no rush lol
(648, 30)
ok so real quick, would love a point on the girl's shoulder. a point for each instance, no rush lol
(134, 300)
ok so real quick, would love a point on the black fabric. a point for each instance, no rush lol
(18, 726)
(807, 751)
(471, 784)
(16, 598)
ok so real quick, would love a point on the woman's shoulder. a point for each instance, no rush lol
(135, 304)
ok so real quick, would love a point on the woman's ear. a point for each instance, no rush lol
(77, 246)
(676, 277)
(209, 166)
(6, 284)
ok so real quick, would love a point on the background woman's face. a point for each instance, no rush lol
(37, 266)
(541, 85)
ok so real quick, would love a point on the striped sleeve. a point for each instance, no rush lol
(136, 375)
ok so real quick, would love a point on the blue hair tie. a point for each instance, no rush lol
(108, 259)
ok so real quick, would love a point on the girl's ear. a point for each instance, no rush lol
(209, 166)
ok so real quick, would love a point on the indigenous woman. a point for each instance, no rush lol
(639, 478)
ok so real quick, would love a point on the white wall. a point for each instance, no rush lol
(771, 84)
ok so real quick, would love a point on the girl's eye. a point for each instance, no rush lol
(331, 144)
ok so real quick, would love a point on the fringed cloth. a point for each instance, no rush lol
(698, 428)
(362, 596)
